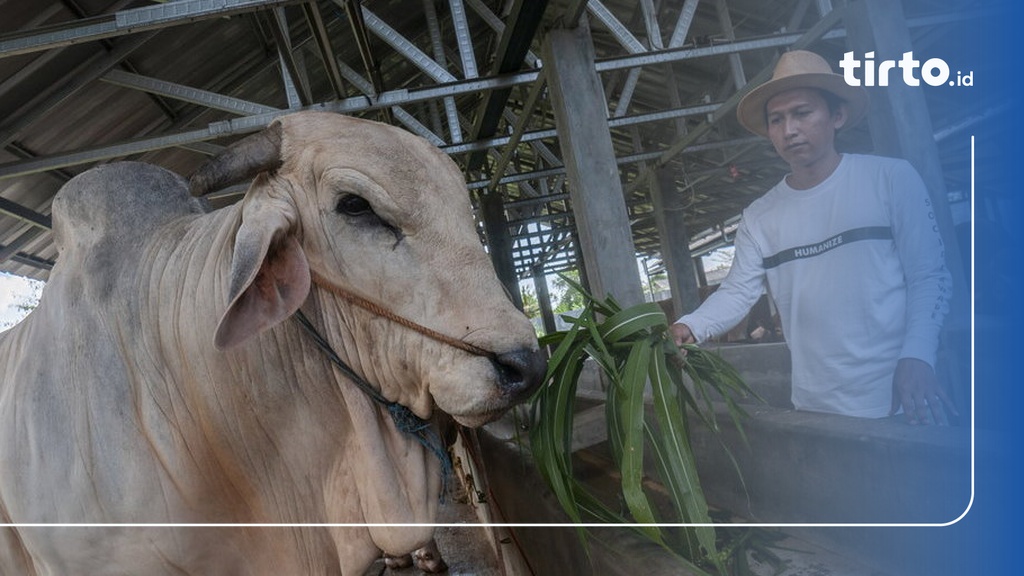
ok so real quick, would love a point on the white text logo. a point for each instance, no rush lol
(934, 71)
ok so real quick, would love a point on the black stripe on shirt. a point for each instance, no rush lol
(810, 250)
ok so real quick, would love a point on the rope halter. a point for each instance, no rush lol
(404, 418)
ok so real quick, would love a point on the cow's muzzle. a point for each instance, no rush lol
(520, 372)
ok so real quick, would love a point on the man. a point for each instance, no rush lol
(847, 247)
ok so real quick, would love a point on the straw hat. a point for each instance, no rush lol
(800, 69)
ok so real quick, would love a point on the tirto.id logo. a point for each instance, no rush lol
(934, 71)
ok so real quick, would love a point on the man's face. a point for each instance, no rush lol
(801, 127)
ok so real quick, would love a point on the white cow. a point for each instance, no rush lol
(161, 379)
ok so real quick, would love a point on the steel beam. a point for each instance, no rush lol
(669, 215)
(464, 39)
(571, 14)
(43, 103)
(294, 86)
(86, 156)
(291, 91)
(126, 65)
(682, 29)
(406, 48)
(798, 15)
(356, 79)
(434, 29)
(626, 94)
(617, 28)
(629, 42)
(40, 61)
(24, 214)
(650, 15)
(30, 260)
(539, 148)
(406, 118)
(403, 97)
(495, 23)
(323, 44)
(500, 243)
(256, 122)
(525, 237)
(739, 78)
(129, 21)
(185, 93)
(819, 30)
(14, 248)
(513, 47)
(517, 132)
(622, 160)
(415, 126)
(680, 54)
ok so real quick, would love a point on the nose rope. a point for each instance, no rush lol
(379, 310)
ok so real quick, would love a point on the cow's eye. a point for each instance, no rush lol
(357, 207)
(352, 205)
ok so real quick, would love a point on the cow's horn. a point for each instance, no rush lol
(239, 162)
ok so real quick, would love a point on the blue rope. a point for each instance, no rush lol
(425, 434)
(404, 418)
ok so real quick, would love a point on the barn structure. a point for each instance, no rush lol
(592, 133)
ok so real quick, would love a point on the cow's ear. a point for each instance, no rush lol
(269, 272)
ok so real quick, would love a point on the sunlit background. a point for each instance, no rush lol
(18, 297)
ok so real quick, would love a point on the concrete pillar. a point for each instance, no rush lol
(499, 241)
(675, 243)
(581, 264)
(540, 284)
(581, 116)
(900, 127)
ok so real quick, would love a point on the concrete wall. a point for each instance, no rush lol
(796, 467)
(804, 467)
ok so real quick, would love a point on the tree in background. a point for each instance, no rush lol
(531, 307)
(564, 296)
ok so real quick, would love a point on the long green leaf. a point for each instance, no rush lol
(553, 429)
(630, 321)
(557, 360)
(631, 415)
(613, 423)
(683, 541)
(600, 353)
(679, 463)
(631, 348)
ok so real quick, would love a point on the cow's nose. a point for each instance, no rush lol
(520, 372)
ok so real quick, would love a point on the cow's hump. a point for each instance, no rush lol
(117, 204)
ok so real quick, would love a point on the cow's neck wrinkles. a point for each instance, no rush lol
(319, 422)
(398, 480)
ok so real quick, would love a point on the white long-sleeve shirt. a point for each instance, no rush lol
(856, 268)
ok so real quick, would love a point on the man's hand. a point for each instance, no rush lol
(681, 334)
(915, 387)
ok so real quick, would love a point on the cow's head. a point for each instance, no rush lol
(381, 213)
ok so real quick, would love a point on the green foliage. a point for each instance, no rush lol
(635, 351)
(570, 294)
(531, 307)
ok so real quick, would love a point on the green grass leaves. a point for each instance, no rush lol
(648, 404)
